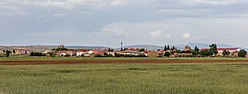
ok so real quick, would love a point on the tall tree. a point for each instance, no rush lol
(173, 47)
(197, 49)
(213, 49)
(168, 47)
(165, 48)
(7, 53)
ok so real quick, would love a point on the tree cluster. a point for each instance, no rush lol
(167, 47)
(61, 49)
(36, 54)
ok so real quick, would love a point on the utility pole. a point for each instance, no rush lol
(121, 46)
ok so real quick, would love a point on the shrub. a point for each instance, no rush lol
(167, 54)
(36, 54)
(242, 53)
(59, 49)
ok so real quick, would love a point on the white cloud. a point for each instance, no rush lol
(159, 34)
(186, 36)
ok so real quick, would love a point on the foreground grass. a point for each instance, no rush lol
(111, 58)
(218, 78)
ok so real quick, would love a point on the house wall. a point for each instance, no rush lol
(22, 52)
(152, 54)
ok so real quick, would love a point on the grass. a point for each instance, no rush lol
(217, 78)
(109, 58)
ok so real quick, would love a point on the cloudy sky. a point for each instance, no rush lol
(106, 22)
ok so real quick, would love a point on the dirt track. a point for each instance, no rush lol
(39, 62)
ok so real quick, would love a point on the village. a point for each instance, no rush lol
(168, 51)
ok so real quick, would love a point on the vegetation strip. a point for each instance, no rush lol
(99, 61)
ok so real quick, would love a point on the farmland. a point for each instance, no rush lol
(78, 60)
(125, 78)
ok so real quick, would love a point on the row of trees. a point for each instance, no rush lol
(196, 52)
(167, 47)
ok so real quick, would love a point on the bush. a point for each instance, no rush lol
(167, 54)
(60, 49)
(242, 53)
(205, 53)
(36, 54)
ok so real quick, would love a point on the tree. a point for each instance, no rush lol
(14, 51)
(173, 47)
(142, 50)
(110, 50)
(59, 49)
(197, 49)
(213, 49)
(242, 53)
(36, 54)
(165, 48)
(168, 47)
(125, 49)
(7, 53)
(167, 54)
(195, 52)
(225, 53)
(205, 52)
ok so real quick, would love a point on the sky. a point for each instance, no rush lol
(108, 22)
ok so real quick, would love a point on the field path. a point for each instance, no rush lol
(105, 61)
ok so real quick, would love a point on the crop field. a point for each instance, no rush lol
(125, 78)
(80, 60)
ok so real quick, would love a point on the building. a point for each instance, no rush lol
(187, 48)
(220, 50)
(233, 51)
(66, 53)
(83, 52)
(61, 46)
(22, 51)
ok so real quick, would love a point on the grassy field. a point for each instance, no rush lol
(108, 58)
(217, 78)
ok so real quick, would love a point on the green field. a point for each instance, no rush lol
(217, 78)
(109, 58)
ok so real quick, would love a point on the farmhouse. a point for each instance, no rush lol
(187, 48)
(152, 53)
(83, 52)
(131, 53)
(233, 51)
(22, 51)
(93, 53)
(220, 50)
(64, 53)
